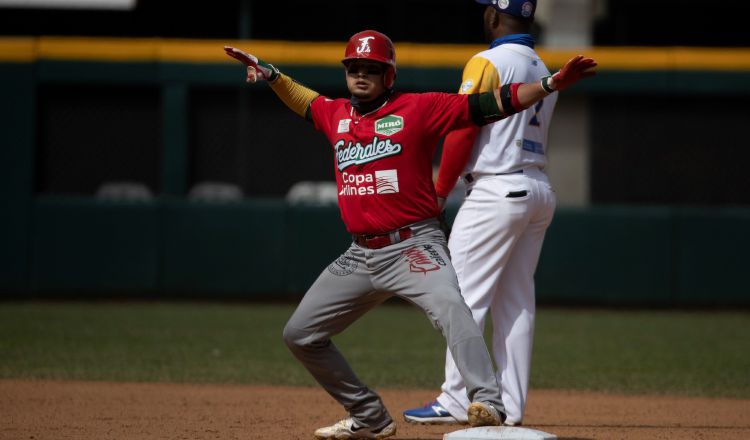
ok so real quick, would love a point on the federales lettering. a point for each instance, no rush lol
(357, 154)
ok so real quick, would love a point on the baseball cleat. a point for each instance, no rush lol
(431, 414)
(348, 428)
(484, 414)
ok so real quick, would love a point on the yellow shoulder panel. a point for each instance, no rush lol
(479, 76)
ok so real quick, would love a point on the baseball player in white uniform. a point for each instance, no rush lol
(498, 232)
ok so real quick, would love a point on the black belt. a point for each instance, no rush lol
(471, 177)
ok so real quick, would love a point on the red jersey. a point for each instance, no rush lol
(383, 160)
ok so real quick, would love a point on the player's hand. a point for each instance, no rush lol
(256, 69)
(573, 71)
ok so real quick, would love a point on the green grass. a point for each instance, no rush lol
(688, 353)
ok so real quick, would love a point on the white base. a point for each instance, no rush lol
(499, 433)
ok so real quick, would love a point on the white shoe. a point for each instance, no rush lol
(347, 428)
(484, 414)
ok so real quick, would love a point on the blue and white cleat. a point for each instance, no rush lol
(431, 414)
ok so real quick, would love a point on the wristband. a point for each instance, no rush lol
(545, 84)
(270, 72)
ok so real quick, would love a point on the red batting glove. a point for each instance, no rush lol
(573, 71)
(256, 69)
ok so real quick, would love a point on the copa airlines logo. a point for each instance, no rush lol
(348, 154)
(379, 182)
(386, 182)
(364, 45)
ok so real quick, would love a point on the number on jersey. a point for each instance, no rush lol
(534, 119)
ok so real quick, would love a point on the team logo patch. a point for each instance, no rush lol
(467, 85)
(343, 266)
(364, 45)
(389, 125)
(423, 259)
(527, 9)
(344, 125)
(503, 4)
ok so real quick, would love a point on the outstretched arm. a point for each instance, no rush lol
(510, 99)
(296, 96)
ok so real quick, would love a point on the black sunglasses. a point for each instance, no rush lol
(354, 69)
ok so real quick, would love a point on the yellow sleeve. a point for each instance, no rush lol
(479, 76)
(296, 96)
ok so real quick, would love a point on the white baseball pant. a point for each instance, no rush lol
(495, 245)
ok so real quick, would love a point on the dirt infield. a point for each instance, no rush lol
(42, 410)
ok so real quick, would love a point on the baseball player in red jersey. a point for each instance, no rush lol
(383, 143)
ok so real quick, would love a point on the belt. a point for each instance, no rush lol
(377, 241)
(474, 176)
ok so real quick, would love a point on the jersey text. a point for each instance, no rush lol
(357, 154)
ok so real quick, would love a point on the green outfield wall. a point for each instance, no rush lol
(266, 249)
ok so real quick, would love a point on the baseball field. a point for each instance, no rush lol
(137, 370)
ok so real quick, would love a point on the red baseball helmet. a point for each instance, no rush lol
(372, 45)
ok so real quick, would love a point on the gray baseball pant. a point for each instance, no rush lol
(417, 269)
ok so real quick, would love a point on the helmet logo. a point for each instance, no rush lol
(364, 46)
(527, 9)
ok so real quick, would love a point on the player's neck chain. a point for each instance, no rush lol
(524, 39)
